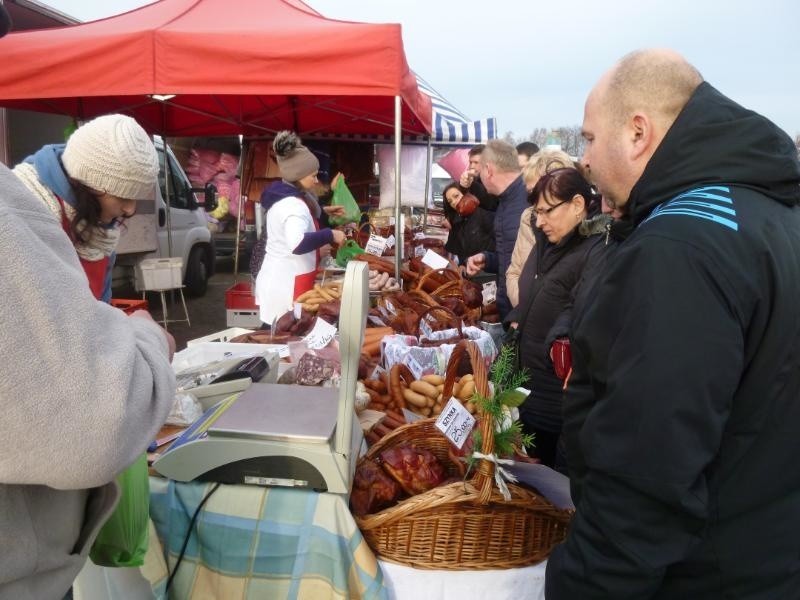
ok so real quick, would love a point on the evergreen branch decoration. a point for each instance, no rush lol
(503, 395)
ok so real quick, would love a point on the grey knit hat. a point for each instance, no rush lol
(113, 154)
(295, 161)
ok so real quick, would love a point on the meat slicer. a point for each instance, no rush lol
(283, 435)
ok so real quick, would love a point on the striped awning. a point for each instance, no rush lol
(451, 126)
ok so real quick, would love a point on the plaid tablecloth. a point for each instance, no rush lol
(253, 543)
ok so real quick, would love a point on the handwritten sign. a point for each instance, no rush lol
(419, 250)
(455, 422)
(435, 261)
(390, 241)
(375, 245)
(321, 335)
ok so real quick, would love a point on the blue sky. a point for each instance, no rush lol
(531, 63)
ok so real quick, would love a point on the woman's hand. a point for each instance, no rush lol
(338, 237)
(334, 211)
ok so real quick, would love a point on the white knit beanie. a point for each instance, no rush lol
(113, 154)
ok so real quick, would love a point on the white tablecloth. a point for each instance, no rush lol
(406, 583)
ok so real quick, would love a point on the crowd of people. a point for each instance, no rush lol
(667, 257)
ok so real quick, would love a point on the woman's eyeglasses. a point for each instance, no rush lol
(545, 212)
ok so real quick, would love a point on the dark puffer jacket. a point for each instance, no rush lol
(548, 283)
(682, 416)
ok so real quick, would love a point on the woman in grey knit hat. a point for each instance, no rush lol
(91, 184)
(294, 238)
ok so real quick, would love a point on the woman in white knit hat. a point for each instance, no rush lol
(293, 234)
(91, 185)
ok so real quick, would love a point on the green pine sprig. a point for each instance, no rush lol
(505, 379)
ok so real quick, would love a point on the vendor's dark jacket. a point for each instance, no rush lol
(469, 235)
(548, 282)
(682, 417)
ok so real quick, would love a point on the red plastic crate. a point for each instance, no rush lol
(129, 306)
(240, 295)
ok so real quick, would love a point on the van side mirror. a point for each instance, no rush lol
(210, 197)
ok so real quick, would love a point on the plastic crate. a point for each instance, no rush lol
(243, 318)
(159, 273)
(226, 335)
(129, 306)
(240, 295)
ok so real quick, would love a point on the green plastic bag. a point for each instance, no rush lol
(343, 197)
(347, 251)
(122, 541)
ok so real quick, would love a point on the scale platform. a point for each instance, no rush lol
(284, 435)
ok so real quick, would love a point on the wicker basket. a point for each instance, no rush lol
(466, 524)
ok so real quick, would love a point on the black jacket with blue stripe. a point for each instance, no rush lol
(682, 418)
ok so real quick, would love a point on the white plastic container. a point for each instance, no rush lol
(226, 335)
(203, 353)
(242, 318)
(159, 273)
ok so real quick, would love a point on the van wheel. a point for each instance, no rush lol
(196, 281)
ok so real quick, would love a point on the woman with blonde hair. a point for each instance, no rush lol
(538, 164)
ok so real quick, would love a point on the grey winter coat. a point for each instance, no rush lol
(84, 389)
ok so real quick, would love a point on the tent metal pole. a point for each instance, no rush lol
(167, 192)
(427, 185)
(399, 230)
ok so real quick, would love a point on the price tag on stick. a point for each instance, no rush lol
(375, 245)
(433, 260)
(455, 423)
(321, 335)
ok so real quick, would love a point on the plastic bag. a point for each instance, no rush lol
(343, 197)
(186, 409)
(347, 251)
(122, 541)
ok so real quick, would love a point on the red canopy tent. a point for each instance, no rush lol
(213, 67)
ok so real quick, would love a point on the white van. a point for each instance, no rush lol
(145, 234)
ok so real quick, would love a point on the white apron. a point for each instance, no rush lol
(287, 221)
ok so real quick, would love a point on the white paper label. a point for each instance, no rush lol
(390, 308)
(390, 241)
(411, 416)
(419, 250)
(435, 261)
(375, 245)
(419, 236)
(425, 329)
(455, 423)
(391, 221)
(321, 335)
(376, 321)
(298, 309)
(489, 292)
(413, 364)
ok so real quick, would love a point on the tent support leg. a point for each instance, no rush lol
(398, 224)
(427, 185)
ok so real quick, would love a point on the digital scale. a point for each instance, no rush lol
(285, 435)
